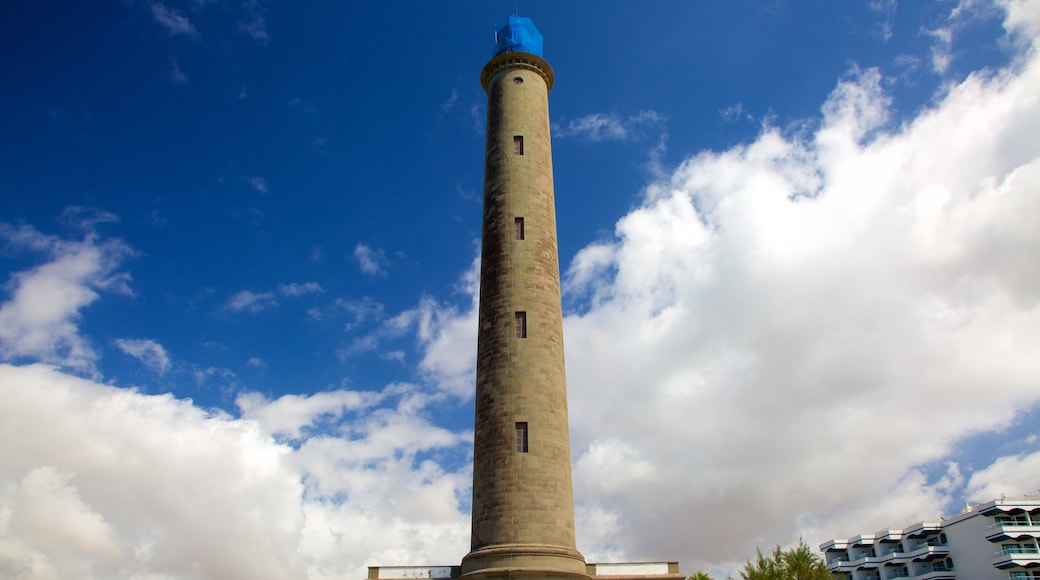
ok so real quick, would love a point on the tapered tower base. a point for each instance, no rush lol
(524, 560)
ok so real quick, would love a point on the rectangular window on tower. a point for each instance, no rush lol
(521, 437)
(518, 228)
(521, 324)
(518, 145)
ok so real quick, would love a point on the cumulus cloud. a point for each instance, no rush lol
(40, 318)
(150, 353)
(372, 261)
(1022, 21)
(94, 486)
(447, 336)
(608, 127)
(787, 337)
(773, 314)
(1013, 475)
(103, 482)
(290, 414)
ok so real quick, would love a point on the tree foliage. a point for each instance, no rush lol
(799, 563)
(700, 576)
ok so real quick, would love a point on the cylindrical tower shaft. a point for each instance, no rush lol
(523, 507)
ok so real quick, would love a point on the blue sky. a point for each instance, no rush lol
(237, 328)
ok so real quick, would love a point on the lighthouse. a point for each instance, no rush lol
(523, 505)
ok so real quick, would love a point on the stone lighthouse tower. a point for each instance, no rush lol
(523, 506)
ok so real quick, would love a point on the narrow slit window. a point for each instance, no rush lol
(518, 145)
(518, 228)
(521, 437)
(521, 324)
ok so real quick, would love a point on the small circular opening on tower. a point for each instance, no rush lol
(518, 80)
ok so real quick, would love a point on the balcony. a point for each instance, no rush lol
(834, 545)
(1009, 505)
(1014, 556)
(925, 552)
(1002, 531)
(921, 529)
(897, 556)
(933, 571)
(837, 561)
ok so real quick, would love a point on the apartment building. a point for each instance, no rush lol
(996, 540)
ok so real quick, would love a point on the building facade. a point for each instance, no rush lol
(996, 540)
(523, 504)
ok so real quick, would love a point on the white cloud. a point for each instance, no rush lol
(445, 333)
(173, 21)
(1022, 21)
(887, 10)
(254, 22)
(288, 415)
(477, 115)
(734, 113)
(941, 51)
(361, 311)
(795, 331)
(595, 127)
(251, 302)
(103, 482)
(608, 127)
(48, 518)
(257, 183)
(785, 337)
(177, 75)
(372, 262)
(297, 289)
(446, 336)
(40, 319)
(150, 353)
(1012, 476)
(221, 378)
(450, 103)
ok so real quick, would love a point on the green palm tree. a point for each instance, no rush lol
(799, 563)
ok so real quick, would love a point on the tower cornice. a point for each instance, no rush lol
(517, 59)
